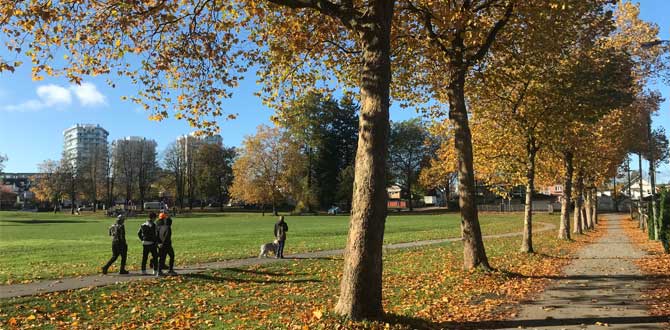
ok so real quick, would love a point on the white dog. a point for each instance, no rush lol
(269, 247)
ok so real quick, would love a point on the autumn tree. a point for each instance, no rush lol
(47, 187)
(260, 170)
(194, 54)
(445, 42)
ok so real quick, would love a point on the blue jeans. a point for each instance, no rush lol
(280, 249)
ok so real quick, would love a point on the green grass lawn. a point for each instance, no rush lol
(423, 288)
(46, 246)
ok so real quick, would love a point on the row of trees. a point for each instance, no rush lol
(130, 172)
(575, 62)
(308, 158)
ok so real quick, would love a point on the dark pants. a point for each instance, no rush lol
(280, 249)
(153, 249)
(166, 250)
(666, 245)
(118, 249)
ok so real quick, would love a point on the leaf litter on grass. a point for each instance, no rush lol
(424, 288)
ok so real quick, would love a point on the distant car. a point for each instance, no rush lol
(334, 210)
(153, 205)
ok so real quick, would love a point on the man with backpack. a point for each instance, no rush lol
(280, 234)
(119, 246)
(148, 236)
(165, 242)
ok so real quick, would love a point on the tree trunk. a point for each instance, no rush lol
(630, 196)
(578, 205)
(564, 228)
(527, 241)
(584, 225)
(474, 254)
(409, 189)
(587, 208)
(595, 207)
(643, 224)
(361, 285)
(616, 202)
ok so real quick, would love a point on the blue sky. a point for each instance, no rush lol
(34, 114)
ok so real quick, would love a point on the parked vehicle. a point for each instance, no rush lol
(334, 210)
(153, 205)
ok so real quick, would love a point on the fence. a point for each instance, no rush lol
(538, 206)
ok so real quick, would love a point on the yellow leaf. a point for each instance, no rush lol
(31, 317)
(318, 314)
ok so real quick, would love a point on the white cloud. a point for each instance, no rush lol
(54, 96)
(88, 94)
(30, 105)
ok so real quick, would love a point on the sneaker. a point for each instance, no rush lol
(144, 272)
(158, 274)
(104, 270)
(124, 272)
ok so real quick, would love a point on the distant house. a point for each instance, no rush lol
(395, 198)
(635, 188)
(555, 190)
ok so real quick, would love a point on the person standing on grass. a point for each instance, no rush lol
(119, 246)
(280, 234)
(165, 242)
(148, 236)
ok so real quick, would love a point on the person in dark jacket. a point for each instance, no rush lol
(119, 246)
(165, 242)
(148, 236)
(280, 234)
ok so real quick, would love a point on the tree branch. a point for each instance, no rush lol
(491, 36)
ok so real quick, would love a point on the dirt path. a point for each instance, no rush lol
(601, 290)
(71, 283)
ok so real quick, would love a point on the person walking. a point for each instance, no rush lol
(165, 242)
(119, 246)
(148, 236)
(280, 234)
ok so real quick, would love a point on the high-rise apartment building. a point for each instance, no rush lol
(208, 139)
(83, 143)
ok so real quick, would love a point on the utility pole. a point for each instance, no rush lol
(652, 176)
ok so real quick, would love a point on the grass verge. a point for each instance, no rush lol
(46, 246)
(424, 288)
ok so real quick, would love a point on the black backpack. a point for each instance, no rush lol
(148, 232)
(115, 232)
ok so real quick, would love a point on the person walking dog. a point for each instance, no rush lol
(119, 245)
(280, 234)
(148, 236)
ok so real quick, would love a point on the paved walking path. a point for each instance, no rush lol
(64, 284)
(601, 290)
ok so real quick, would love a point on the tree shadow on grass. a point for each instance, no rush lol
(312, 258)
(634, 322)
(39, 222)
(231, 279)
(260, 272)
